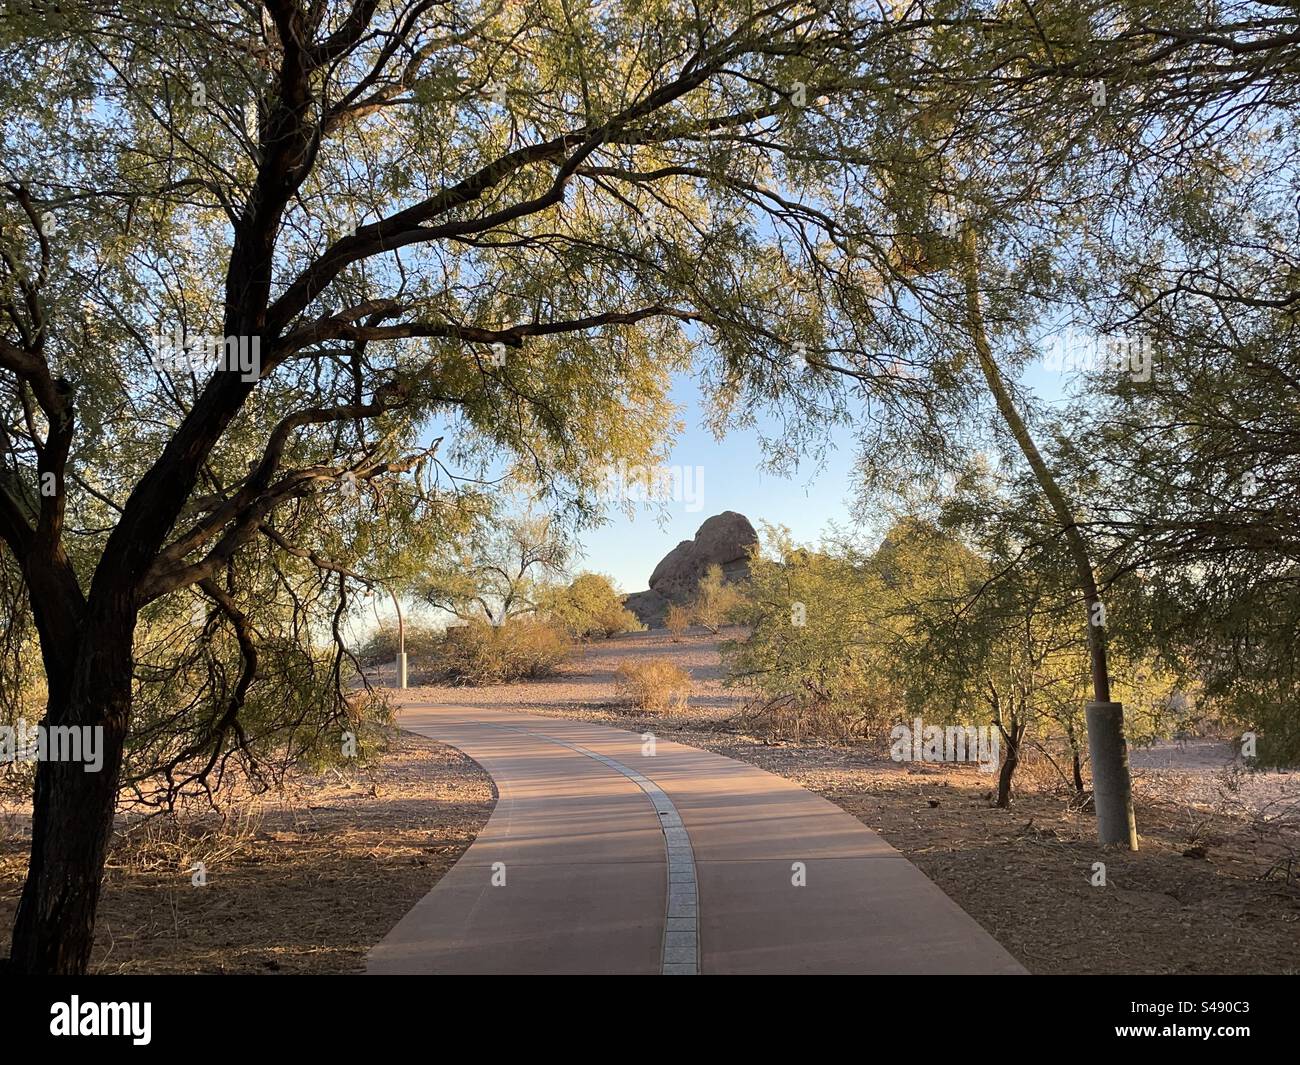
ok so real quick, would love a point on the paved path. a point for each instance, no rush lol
(600, 858)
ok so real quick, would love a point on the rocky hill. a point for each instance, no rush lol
(723, 540)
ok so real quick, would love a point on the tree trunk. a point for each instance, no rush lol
(72, 817)
(1009, 765)
(1115, 820)
(1112, 790)
(1011, 762)
(1076, 758)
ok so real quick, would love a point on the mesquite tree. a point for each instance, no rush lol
(252, 251)
(504, 225)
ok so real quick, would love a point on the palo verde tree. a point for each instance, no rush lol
(251, 252)
(589, 605)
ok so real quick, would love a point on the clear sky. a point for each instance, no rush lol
(724, 475)
(818, 494)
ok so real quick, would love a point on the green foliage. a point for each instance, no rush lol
(500, 568)
(844, 643)
(816, 656)
(1014, 650)
(476, 242)
(589, 606)
(717, 601)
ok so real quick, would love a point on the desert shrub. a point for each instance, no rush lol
(716, 602)
(589, 606)
(816, 658)
(657, 684)
(677, 620)
(182, 837)
(380, 648)
(521, 649)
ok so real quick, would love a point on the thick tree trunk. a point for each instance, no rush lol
(1114, 805)
(73, 810)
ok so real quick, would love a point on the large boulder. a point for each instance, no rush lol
(650, 608)
(723, 540)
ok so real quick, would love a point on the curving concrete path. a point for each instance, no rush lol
(602, 857)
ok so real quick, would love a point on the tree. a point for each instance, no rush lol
(716, 600)
(1196, 464)
(589, 605)
(1188, 255)
(816, 652)
(1009, 639)
(993, 174)
(1112, 786)
(500, 572)
(491, 219)
(1008, 187)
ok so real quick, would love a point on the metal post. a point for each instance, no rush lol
(401, 641)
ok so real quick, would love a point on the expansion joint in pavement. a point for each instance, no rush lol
(681, 942)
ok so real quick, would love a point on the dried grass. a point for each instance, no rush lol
(658, 685)
(304, 881)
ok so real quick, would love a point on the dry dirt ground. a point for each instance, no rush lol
(1210, 891)
(308, 880)
(300, 882)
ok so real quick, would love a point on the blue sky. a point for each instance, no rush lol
(628, 548)
(817, 495)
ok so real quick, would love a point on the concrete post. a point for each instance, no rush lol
(1112, 793)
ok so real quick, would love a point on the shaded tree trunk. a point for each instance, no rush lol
(72, 819)
(1076, 759)
(1009, 765)
(1012, 736)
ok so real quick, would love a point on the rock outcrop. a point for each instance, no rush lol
(649, 607)
(723, 540)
